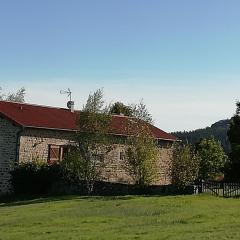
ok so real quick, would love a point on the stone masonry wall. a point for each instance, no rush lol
(164, 163)
(115, 169)
(34, 146)
(8, 150)
(34, 143)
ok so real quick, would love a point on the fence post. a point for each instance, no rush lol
(223, 189)
(201, 186)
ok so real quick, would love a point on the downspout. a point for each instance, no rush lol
(18, 144)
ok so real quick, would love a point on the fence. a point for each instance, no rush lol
(223, 189)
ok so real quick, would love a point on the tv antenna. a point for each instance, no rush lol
(68, 92)
(70, 103)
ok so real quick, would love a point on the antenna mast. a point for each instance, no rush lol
(68, 92)
(70, 103)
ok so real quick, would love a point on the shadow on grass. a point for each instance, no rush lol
(25, 200)
(11, 201)
(103, 191)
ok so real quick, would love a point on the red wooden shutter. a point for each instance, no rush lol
(54, 153)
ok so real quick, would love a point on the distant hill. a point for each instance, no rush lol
(218, 130)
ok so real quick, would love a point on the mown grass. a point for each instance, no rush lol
(130, 217)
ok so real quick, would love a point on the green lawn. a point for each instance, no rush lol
(131, 217)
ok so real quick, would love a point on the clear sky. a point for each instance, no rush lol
(181, 57)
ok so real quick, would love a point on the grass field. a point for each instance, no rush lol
(131, 217)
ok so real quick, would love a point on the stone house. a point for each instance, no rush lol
(30, 132)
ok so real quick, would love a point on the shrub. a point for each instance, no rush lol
(34, 178)
(185, 166)
(213, 158)
(80, 171)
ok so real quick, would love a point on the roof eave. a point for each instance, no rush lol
(55, 129)
(75, 130)
(10, 119)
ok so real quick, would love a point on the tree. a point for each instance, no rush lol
(141, 157)
(234, 138)
(142, 150)
(119, 108)
(19, 96)
(185, 166)
(213, 158)
(140, 111)
(217, 130)
(86, 161)
(95, 103)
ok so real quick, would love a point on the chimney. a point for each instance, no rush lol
(70, 105)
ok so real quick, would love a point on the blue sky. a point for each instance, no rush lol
(181, 57)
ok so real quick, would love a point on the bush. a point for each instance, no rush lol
(213, 159)
(35, 178)
(185, 166)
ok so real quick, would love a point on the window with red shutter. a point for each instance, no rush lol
(57, 153)
(53, 154)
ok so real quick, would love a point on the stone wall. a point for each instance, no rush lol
(8, 152)
(163, 176)
(34, 143)
(34, 146)
(115, 168)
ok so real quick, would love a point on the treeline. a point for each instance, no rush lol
(217, 130)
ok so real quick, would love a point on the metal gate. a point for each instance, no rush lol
(223, 189)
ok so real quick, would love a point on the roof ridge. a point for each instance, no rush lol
(34, 105)
(47, 106)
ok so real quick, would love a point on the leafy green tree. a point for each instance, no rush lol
(138, 110)
(19, 96)
(119, 108)
(95, 102)
(86, 161)
(141, 112)
(142, 152)
(185, 165)
(217, 130)
(141, 160)
(213, 158)
(234, 138)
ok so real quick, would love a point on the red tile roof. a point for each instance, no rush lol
(35, 116)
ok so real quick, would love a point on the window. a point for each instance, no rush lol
(57, 153)
(122, 155)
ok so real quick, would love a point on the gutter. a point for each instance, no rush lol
(54, 129)
(76, 130)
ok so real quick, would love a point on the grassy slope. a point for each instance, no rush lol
(173, 217)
